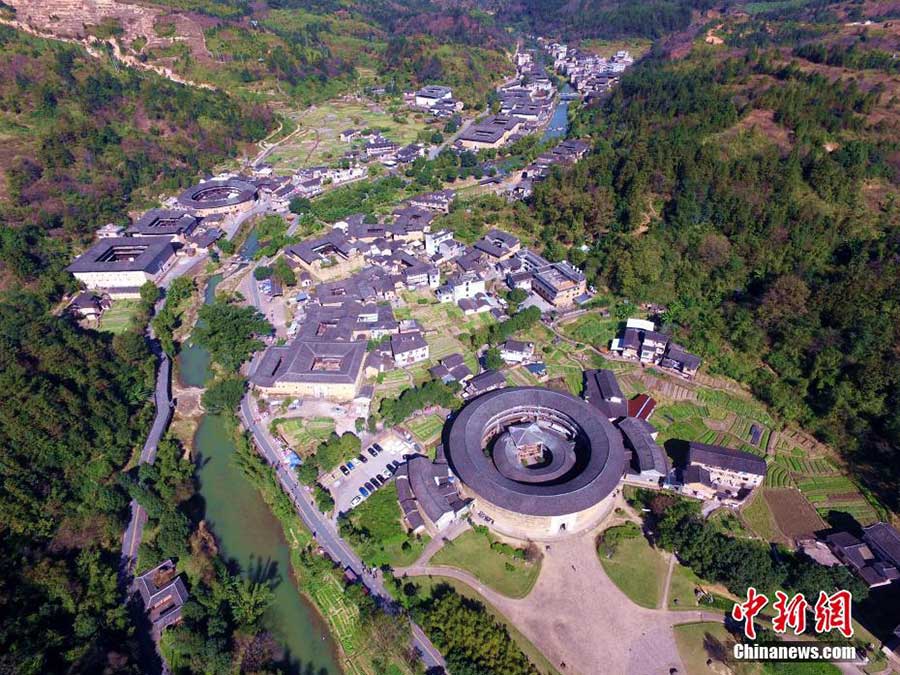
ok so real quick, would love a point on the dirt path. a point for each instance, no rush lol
(664, 600)
(578, 618)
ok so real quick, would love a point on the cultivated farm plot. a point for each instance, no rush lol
(304, 435)
(793, 514)
(318, 139)
(426, 429)
(343, 618)
(838, 494)
(592, 329)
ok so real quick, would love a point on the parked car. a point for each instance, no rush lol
(345, 470)
(377, 447)
(385, 475)
(362, 458)
(369, 486)
(356, 500)
(372, 452)
(376, 480)
(363, 492)
(350, 465)
(393, 466)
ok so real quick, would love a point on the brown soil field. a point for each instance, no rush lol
(794, 515)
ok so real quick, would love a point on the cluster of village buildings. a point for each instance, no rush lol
(589, 74)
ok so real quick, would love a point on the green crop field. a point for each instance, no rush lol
(304, 435)
(426, 429)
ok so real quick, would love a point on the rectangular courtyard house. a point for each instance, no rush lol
(648, 460)
(515, 351)
(560, 284)
(731, 471)
(408, 348)
(118, 263)
(163, 594)
(175, 225)
(321, 369)
(331, 256)
(491, 133)
(601, 390)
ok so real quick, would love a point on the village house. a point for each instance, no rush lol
(451, 368)
(483, 383)
(648, 460)
(408, 348)
(431, 95)
(732, 471)
(460, 287)
(515, 351)
(438, 202)
(601, 390)
(875, 558)
(498, 244)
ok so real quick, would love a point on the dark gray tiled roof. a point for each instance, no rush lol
(300, 361)
(726, 458)
(164, 222)
(885, 539)
(600, 388)
(124, 254)
(600, 466)
(217, 194)
(649, 456)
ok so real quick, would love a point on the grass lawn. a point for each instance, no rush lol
(533, 653)
(117, 318)
(681, 591)
(385, 540)
(698, 642)
(637, 569)
(426, 429)
(472, 551)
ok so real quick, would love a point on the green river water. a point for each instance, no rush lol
(249, 534)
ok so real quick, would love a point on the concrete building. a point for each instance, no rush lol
(432, 94)
(460, 287)
(314, 368)
(559, 284)
(123, 262)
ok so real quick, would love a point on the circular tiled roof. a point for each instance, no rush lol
(594, 466)
(214, 194)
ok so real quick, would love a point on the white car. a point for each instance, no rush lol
(356, 500)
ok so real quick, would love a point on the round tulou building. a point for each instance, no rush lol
(537, 462)
(221, 195)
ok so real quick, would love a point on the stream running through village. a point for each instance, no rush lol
(249, 534)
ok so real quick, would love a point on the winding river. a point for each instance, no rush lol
(249, 534)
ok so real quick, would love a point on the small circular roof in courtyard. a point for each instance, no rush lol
(216, 194)
(571, 460)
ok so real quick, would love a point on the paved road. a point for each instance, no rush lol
(325, 531)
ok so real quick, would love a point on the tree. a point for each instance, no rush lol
(492, 359)
(224, 395)
(299, 205)
(262, 272)
(149, 293)
(283, 274)
(249, 600)
(229, 332)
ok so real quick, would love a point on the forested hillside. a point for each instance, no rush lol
(753, 193)
(84, 141)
